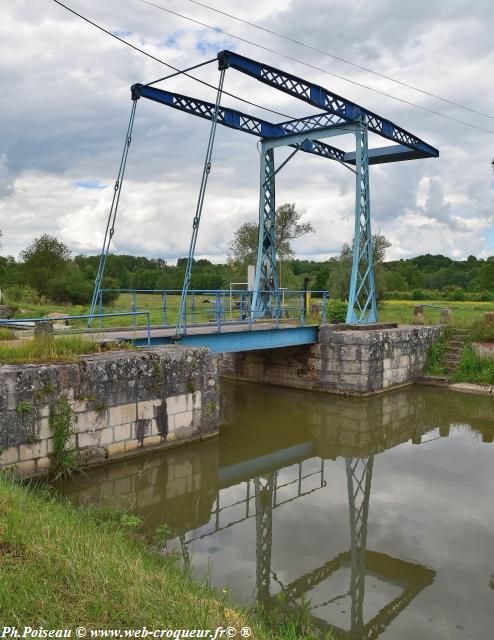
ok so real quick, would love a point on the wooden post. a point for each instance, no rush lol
(44, 330)
(489, 317)
(445, 316)
(418, 314)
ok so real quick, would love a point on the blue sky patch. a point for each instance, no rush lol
(89, 184)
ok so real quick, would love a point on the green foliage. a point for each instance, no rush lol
(288, 227)
(130, 521)
(482, 331)
(162, 534)
(49, 270)
(25, 406)
(6, 334)
(340, 268)
(435, 364)
(61, 349)
(68, 567)
(474, 368)
(337, 310)
(61, 423)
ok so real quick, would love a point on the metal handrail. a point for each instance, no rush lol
(86, 316)
(218, 312)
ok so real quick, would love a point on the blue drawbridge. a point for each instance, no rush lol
(334, 116)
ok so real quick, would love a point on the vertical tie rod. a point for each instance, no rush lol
(181, 323)
(110, 224)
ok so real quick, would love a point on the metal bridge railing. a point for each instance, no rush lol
(70, 325)
(220, 307)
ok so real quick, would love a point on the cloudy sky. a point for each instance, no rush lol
(65, 104)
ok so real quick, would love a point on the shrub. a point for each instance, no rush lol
(337, 310)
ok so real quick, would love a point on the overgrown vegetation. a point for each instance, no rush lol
(435, 365)
(61, 349)
(474, 368)
(6, 334)
(67, 567)
(61, 422)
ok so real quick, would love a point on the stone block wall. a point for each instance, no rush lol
(353, 362)
(119, 403)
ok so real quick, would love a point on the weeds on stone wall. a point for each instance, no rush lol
(61, 422)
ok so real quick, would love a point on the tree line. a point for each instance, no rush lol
(47, 271)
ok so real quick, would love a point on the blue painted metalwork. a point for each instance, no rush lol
(224, 307)
(233, 341)
(265, 301)
(362, 303)
(181, 320)
(338, 116)
(329, 102)
(231, 118)
(112, 216)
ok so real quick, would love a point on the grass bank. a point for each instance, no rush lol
(472, 367)
(61, 349)
(66, 567)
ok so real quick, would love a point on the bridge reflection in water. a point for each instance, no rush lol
(206, 492)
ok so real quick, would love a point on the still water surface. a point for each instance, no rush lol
(379, 511)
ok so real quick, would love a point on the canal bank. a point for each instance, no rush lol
(105, 406)
(116, 404)
(64, 567)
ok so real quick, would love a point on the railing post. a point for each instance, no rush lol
(148, 315)
(302, 309)
(249, 311)
(324, 311)
(134, 308)
(277, 308)
(218, 311)
(100, 306)
(163, 305)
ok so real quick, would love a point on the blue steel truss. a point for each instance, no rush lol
(338, 116)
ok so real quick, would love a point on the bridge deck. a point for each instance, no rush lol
(232, 337)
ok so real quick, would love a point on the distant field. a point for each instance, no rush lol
(462, 313)
(400, 311)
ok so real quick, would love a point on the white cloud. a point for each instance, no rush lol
(66, 103)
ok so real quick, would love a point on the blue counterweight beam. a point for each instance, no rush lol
(232, 119)
(328, 101)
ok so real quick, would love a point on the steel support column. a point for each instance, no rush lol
(362, 303)
(264, 486)
(359, 477)
(265, 301)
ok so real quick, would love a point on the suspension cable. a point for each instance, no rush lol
(178, 73)
(110, 224)
(181, 318)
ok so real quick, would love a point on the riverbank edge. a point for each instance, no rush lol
(64, 567)
(462, 387)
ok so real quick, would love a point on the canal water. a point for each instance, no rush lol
(378, 512)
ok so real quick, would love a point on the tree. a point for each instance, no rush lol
(341, 268)
(243, 247)
(48, 269)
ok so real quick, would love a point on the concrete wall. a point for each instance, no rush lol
(120, 402)
(355, 362)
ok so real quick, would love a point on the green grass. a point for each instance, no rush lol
(463, 314)
(474, 368)
(6, 334)
(435, 359)
(67, 567)
(61, 349)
